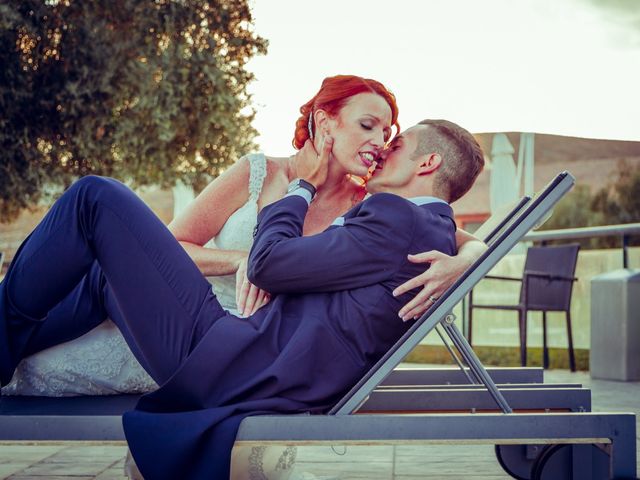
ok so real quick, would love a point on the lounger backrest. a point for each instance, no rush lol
(500, 220)
(510, 233)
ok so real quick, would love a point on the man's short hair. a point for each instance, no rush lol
(462, 156)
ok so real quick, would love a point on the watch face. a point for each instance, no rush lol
(293, 185)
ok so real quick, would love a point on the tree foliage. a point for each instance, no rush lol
(617, 203)
(146, 91)
(621, 200)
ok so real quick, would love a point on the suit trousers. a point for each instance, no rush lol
(100, 251)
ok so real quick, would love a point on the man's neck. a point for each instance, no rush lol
(412, 191)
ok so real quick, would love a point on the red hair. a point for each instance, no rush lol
(333, 94)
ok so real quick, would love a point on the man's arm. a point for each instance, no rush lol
(369, 248)
(469, 245)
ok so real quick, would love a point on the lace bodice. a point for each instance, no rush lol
(100, 362)
(237, 232)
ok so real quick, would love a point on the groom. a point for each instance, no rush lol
(330, 319)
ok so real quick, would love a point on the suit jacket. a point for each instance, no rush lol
(332, 316)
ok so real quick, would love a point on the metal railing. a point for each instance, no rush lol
(624, 231)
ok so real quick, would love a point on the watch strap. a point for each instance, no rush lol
(299, 185)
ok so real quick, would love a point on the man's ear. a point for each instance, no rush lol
(429, 164)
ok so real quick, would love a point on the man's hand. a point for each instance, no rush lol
(313, 167)
(249, 298)
(443, 272)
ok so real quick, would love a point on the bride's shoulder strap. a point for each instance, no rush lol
(257, 174)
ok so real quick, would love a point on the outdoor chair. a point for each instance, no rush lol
(546, 286)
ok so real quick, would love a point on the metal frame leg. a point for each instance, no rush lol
(572, 357)
(455, 357)
(473, 361)
(522, 322)
(545, 348)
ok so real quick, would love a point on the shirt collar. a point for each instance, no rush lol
(425, 200)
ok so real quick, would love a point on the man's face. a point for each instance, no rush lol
(397, 165)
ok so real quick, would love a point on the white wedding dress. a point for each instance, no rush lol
(100, 362)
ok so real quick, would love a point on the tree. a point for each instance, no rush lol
(146, 91)
(618, 202)
(574, 211)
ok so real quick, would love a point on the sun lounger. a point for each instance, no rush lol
(97, 418)
(586, 442)
(47, 418)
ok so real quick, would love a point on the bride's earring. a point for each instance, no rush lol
(310, 125)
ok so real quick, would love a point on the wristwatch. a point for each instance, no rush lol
(301, 183)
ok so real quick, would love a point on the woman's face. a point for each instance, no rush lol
(360, 131)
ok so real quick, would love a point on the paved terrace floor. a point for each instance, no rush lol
(102, 461)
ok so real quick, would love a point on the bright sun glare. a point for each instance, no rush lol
(569, 68)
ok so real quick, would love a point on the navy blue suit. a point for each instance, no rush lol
(331, 317)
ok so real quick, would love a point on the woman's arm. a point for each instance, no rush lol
(207, 214)
(442, 273)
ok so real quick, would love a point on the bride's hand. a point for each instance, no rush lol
(249, 298)
(444, 270)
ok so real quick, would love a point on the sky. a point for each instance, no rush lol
(568, 67)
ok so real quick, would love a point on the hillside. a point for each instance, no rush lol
(593, 162)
